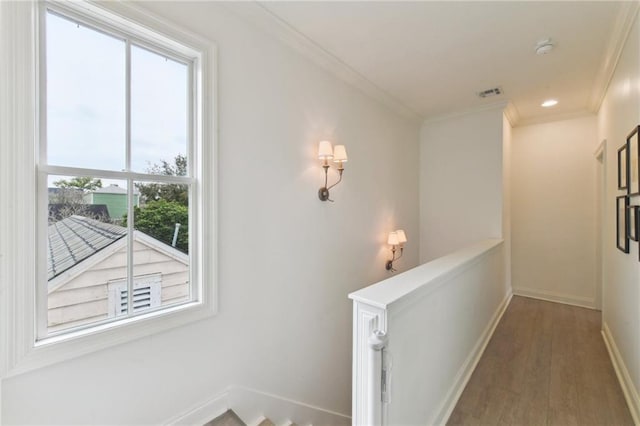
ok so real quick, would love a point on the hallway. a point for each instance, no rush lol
(546, 364)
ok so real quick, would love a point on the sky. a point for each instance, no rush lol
(86, 117)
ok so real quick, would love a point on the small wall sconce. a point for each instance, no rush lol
(325, 153)
(396, 240)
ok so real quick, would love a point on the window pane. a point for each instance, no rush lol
(159, 111)
(86, 250)
(161, 241)
(85, 97)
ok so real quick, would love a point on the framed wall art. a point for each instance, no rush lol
(632, 225)
(633, 151)
(622, 167)
(622, 223)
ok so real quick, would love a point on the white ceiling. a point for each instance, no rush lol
(433, 57)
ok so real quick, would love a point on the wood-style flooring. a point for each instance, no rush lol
(546, 364)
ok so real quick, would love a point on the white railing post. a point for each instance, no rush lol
(377, 342)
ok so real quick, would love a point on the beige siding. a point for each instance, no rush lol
(175, 294)
(66, 325)
(174, 278)
(84, 298)
(61, 298)
(77, 312)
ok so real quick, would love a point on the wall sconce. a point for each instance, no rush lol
(396, 240)
(339, 155)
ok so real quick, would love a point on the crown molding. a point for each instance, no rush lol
(512, 114)
(620, 33)
(601, 150)
(556, 117)
(486, 107)
(259, 15)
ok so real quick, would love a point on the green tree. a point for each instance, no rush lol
(68, 199)
(158, 219)
(161, 191)
(85, 183)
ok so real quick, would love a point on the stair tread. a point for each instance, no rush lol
(228, 418)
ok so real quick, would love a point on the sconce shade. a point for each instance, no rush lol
(396, 240)
(340, 154)
(325, 151)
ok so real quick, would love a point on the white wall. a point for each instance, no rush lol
(287, 260)
(554, 213)
(619, 113)
(2, 337)
(461, 181)
(507, 177)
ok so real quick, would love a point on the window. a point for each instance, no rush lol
(124, 190)
(81, 231)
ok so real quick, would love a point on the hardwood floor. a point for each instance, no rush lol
(546, 364)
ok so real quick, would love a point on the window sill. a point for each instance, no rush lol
(71, 345)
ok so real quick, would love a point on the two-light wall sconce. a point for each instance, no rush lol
(325, 153)
(396, 240)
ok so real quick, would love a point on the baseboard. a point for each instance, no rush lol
(464, 373)
(551, 296)
(203, 412)
(251, 404)
(630, 392)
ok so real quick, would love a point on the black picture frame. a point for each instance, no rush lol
(633, 158)
(622, 223)
(622, 167)
(632, 223)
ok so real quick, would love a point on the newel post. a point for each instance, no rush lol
(377, 342)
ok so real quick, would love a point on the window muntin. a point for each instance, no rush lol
(165, 144)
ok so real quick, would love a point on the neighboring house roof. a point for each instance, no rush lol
(57, 211)
(76, 241)
(56, 191)
(112, 189)
(75, 238)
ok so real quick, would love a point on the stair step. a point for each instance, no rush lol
(229, 418)
(266, 422)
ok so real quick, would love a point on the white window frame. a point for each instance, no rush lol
(131, 38)
(20, 38)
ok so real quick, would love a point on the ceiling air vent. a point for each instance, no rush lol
(490, 92)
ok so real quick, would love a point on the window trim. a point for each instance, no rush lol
(19, 350)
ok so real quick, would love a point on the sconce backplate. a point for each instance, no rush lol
(323, 194)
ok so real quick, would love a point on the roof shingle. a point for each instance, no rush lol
(76, 238)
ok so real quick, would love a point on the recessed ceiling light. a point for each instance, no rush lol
(544, 46)
(549, 103)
